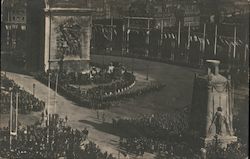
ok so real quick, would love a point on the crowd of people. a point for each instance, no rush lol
(160, 125)
(156, 133)
(98, 74)
(26, 101)
(101, 95)
(167, 135)
(50, 141)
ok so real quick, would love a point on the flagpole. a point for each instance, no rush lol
(111, 33)
(189, 30)
(204, 38)
(235, 34)
(123, 42)
(128, 31)
(245, 54)
(48, 99)
(147, 51)
(188, 42)
(245, 50)
(215, 40)
(161, 41)
(16, 114)
(48, 108)
(179, 33)
(56, 93)
(11, 102)
(203, 43)
(229, 55)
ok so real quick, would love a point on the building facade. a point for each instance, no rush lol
(13, 26)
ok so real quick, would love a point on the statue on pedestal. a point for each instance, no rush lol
(212, 106)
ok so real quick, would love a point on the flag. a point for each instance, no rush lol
(221, 41)
(165, 36)
(200, 40)
(173, 36)
(115, 32)
(169, 36)
(106, 34)
(123, 28)
(212, 18)
(227, 42)
(240, 42)
(128, 31)
(208, 42)
(191, 38)
(8, 27)
(23, 27)
(195, 38)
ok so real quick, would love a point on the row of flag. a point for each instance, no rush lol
(15, 27)
(193, 38)
(200, 38)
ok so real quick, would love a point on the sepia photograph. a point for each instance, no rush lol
(124, 79)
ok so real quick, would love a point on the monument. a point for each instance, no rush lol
(67, 36)
(212, 105)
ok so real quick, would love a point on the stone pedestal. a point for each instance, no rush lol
(212, 105)
(67, 39)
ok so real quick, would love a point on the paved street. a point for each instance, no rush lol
(176, 94)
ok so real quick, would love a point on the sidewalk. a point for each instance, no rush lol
(78, 117)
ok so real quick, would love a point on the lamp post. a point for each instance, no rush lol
(13, 133)
(123, 42)
(10, 126)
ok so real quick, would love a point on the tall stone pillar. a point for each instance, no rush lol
(67, 39)
(212, 106)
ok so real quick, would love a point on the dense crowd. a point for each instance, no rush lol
(156, 125)
(98, 74)
(156, 133)
(101, 95)
(53, 141)
(26, 101)
(167, 135)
